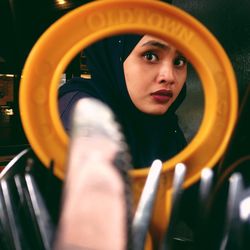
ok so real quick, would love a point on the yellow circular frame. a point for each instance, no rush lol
(93, 21)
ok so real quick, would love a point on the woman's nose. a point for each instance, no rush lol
(166, 74)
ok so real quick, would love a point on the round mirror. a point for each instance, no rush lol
(163, 21)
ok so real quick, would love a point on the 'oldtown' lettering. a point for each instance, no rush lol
(100, 20)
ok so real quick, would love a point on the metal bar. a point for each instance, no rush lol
(144, 210)
(179, 176)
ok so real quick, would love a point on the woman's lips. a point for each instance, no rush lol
(162, 96)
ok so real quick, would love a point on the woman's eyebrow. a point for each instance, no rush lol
(155, 44)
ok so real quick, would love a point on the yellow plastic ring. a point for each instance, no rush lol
(93, 21)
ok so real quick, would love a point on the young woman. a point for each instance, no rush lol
(142, 79)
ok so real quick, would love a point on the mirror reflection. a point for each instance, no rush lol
(145, 81)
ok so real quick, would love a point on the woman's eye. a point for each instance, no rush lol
(180, 61)
(150, 56)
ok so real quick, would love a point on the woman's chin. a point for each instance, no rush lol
(157, 111)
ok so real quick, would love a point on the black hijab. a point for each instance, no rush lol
(149, 136)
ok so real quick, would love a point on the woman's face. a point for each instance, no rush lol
(155, 73)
